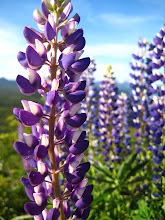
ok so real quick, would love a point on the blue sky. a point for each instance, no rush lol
(111, 28)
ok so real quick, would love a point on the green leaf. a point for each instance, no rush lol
(103, 195)
(137, 168)
(101, 180)
(125, 166)
(103, 169)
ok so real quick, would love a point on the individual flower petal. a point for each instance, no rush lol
(35, 178)
(60, 129)
(21, 56)
(38, 17)
(24, 85)
(73, 109)
(78, 193)
(80, 65)
(40, 199)
(33, 58)
(34, 79)
(68, 28)
(53, 214)
(67, 61)
(41, 49)
(80, 44)
(79, 147)
(40, 151)
(36, 109)
(31, 34)
(52, 98)
(33, 209)
(22, 149)
(75, 37)
(77, 120)
(42, 168)
(66, 11)
(84, 202)
(66, 208)
(71, 87)
(27, 118)
(39, 217)
(44, 9)
(83, 167)
(49, 31)
(75, 177)
(76, 97)
(16, 112)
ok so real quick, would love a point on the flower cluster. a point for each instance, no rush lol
(55, 148)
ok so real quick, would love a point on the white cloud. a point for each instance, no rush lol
(120, 51)
(123, 19)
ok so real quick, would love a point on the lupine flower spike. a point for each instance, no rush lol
(56, 144)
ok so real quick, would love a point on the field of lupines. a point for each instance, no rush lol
(87, 152)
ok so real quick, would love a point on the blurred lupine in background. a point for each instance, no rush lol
(55, 148)
(90, 106)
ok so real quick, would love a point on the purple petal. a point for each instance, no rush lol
(76, 17)
(80, 44)
(68, 28)
(66, 208)
(75, 37)
(85, 213)
(84, 167)
(77, 120)
(49, 31)
(28, 188)
(44, 9)
(24, 85)
(67, 61)
(79, 147)
(84, 202)
(33, 209)
(75, 177)
(27, 118)
(66, 11)
(41, 50)
(60, 129)
(26, 182)
(16, 112)
(35, 178)
(34, 79)
(40, 199)
(36, 109)
(76, 97)
(53, 214)
(52, 98)
(22, 59)
(31, 34)
(38, 17)
(80, 65)
(33, 58)
(22, 149)
(41, 151)
(71, 87)
(82, 85)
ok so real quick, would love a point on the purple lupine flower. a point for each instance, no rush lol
(56, 143)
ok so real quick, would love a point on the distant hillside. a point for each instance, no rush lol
(10, 95)
(8, 84)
